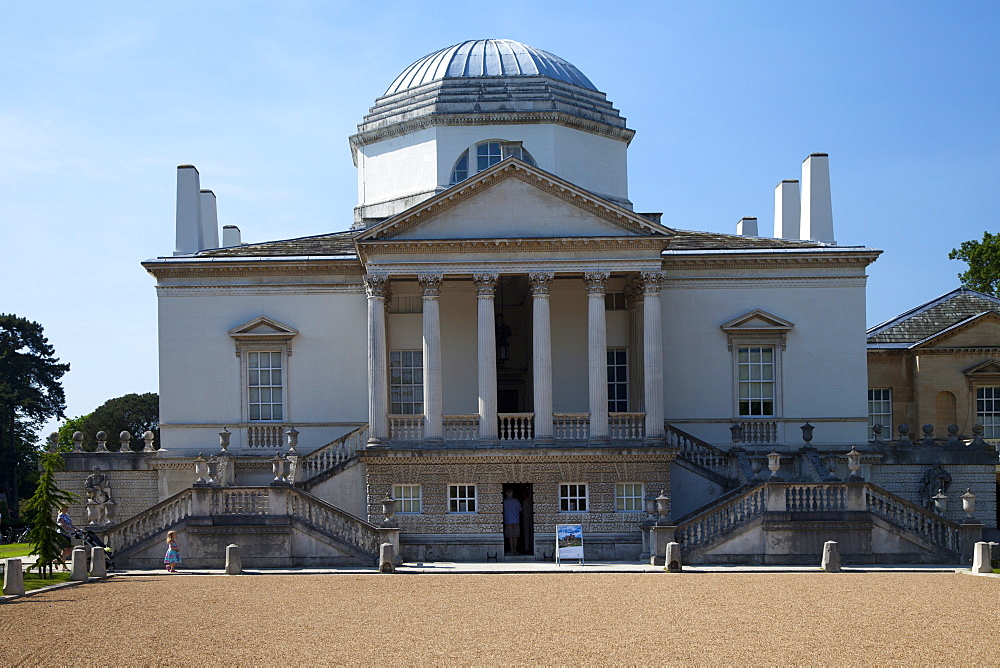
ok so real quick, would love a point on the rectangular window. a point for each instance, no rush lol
(628, 496)
(573, 498)
(406, 382)
(880, 411)
(756, 381)
(988, 410)
(461, 498)
(614, 301)
(264, 386)
(617, 380)
(408, 498)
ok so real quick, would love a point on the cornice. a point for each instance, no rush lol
(240, 290)
(751, 282)
(451, 268)
(257, 268)
(766, 261)
(367, 137)
(516, 245)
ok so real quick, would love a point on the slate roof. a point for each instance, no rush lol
(342, 244)
(335, 244)
(928, 319)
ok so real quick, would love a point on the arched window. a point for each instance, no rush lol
(487, 154)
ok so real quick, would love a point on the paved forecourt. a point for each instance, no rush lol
(594, 617)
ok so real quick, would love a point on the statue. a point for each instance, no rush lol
(935, 481)
(98, 488)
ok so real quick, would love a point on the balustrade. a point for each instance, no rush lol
(571, 426)
(330, 455)
(913, 518)
(697, 451)
(265, 435)
(717, 520)
(627, 425)
(252, 501)
(516, 426)
(406, 427)
(334, 522)
(461, 427)
(815, 498)
(759, 431)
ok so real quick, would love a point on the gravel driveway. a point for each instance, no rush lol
(599, 618)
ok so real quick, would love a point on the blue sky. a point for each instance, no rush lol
(101, 101)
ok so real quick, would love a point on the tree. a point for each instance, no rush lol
(30, 394)
(44, 536)
(983, 258)
(134, 413)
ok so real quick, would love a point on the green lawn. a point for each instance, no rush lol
(15, 550)
(32, 581)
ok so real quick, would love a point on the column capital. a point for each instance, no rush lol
(652, 282)
(541, 282)
(596, 282)
(633, 292)
(377, 285)
(430, 284)
(486, 284)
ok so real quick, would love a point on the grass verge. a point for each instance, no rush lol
(15, 550)
(32, 581)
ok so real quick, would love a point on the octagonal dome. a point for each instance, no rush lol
(488, 58)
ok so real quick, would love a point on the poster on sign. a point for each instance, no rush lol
(569, 542)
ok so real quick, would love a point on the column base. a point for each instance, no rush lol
(433, 442)
(544, 440)
(378, 443)
(599, 440)
(655, 441)
(488, 443)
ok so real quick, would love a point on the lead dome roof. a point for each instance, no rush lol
(490, 82)
(488, 58)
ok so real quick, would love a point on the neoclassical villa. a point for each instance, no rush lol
(497, 316)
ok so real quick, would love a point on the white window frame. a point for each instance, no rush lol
(573, 497)
(626, 495)
(762, 382)
(273, 355)
(459, 494)
(417, 386)
(990, 419)
(263, 334)
(880, 398)
(615, 386)
(758, 328)
(506, 149)
(409, 499)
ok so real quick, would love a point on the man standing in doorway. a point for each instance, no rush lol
(511, 521)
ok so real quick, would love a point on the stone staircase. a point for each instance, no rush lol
(788, 522)
(277, 526)
(327, 461)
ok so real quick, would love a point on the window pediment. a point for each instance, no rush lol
(757, 325)
(984, 373)
(263, 330)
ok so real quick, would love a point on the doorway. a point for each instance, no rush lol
(523, 493)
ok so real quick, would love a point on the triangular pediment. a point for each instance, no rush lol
(979, 331)
(262, 326)
(987, 368)
(513, 200)
(758, 320)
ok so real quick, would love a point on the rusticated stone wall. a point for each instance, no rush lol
(490, 473)
(905, 480)
(133, 491)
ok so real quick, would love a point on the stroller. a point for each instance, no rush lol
(90, 539)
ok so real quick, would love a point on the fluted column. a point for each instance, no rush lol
(652, 343)
(431, 288)
(486, 285)
(597, 355)
(541, 345)
(378, 375)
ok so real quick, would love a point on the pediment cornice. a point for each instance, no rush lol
(504, 246)
(957, 328)
(512, 168)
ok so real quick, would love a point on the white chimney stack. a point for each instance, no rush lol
(190, 237)
(209, 220)
(786, 209)
(230, 236)
(747, 227)
(817, 206)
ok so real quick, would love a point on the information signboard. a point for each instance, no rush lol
(569, 542)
